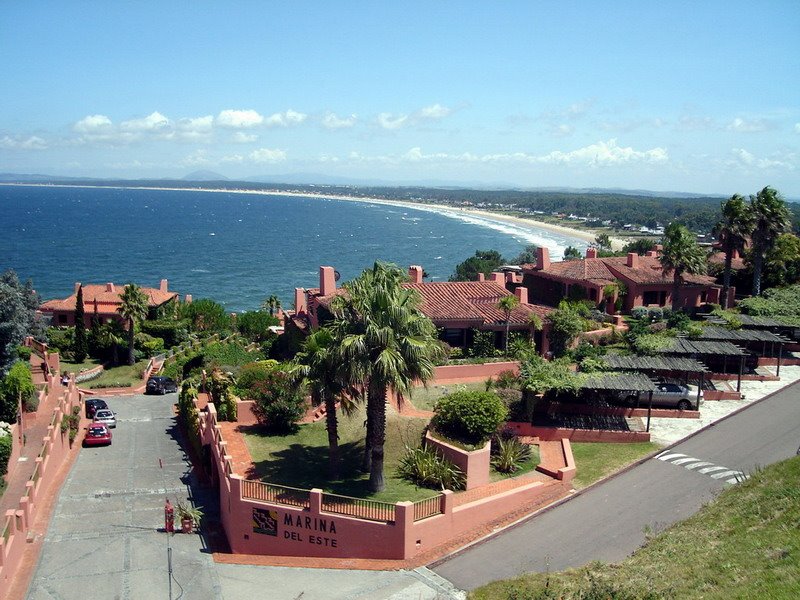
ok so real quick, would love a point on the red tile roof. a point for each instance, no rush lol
(737, 264)
(471, 301)
(107, 302)
(602, 271)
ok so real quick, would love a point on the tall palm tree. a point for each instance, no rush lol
(681, 255)
(321, 368)
(108, 335)
(771, 218)
(133, 309)
(507, 304)
(387, 344)
(271, 304)
(733, 231)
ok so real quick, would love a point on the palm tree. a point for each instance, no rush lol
(109, 337)
(681, 254)
(133, 309)
(507, 304)
(771, 218)
(733, 231)
(386, 344)
(321, 368)
(271, 304)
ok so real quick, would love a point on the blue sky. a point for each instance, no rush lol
(684, 96)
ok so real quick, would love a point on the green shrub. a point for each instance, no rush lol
(483, 344)
(650, 344)
(539, 376)
(31, 403)
(678, 320)
(655, 314)
(18, 383)
(172, 332)
(5, 453)
(566, 322)
(426, 468)
(279, 400)
(148, 345)
(639, 312)
(24, 353)
(509, 453)
(469, 417)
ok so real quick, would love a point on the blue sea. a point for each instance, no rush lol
(235, 248)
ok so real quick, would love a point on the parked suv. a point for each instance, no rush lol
(671, 395)
(161, 385)
(92, 405)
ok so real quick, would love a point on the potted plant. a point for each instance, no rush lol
(189, 515)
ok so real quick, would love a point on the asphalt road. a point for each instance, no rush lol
(610, 521)
(103, 540)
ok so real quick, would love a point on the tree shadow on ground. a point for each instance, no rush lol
(306, 467)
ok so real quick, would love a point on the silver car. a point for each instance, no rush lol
(106, 417)
(671, 395)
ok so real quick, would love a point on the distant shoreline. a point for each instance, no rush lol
(586, 235)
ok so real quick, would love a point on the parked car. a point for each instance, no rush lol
(670, 395)
(92, 405)
(106, 417)
(97, 434)
(161, 385)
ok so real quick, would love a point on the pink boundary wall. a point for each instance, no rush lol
(552, 434)
(475, 464)
(55, 451)
(287, 530)
(471, 372)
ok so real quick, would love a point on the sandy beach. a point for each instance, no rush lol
(585, 235)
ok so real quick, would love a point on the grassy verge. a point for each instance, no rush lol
(595, 461)
(301, 459)
(72, 367)
(122, 376)
(745, 544)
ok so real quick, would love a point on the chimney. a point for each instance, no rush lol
(498, 278)
(415, 273)
(591, 253)
(510, 277)
(542, 259)
(110, 287)
(481, 277)
(633, 260)
(77, 287)
(658, 248)
(522, 294)
(188, 299)
(299, 301)
(164, 285)
(652, 254)
(327, 281)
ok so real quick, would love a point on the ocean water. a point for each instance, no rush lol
(232, 247)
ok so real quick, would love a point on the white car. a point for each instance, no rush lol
(106, 417)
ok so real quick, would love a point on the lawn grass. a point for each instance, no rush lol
(425, 399)
(73, 367)
(597, 460)
(301, 459)
(745, 544)
(122, 376)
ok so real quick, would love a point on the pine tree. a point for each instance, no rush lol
(80, 347)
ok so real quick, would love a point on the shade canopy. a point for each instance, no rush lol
(619, 382)
(654, 363)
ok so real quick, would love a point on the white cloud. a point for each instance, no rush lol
(744, 159)
(198, 128)
(434, 112)
(240, 137)
(239, 118)
(797, 127)
(285, 119)
(93, 124)
(233, 158)
(155, 122)
(388, 121)
(693, 123)
(267, 155)
(605, 154)
(748, 126)
(562, 130)
(331, 121)
(30, 143)
(196, 159)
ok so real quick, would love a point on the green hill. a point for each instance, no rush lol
(745, 544)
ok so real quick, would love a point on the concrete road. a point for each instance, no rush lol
(610, 521)
(103, 540)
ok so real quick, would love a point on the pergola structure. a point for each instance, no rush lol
(748, 338)
(775, 325)
(622, 382)
(709, 352)
(660, 364)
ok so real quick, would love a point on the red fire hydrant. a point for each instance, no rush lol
(169, 517)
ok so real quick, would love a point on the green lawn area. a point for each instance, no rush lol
(73, 367)
(122, 376)
(425, 399)
(595, 461)
(745, 544)
(301, 459)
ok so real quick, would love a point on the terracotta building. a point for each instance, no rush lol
(458, 309)
(592, 278)
(103, 302)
